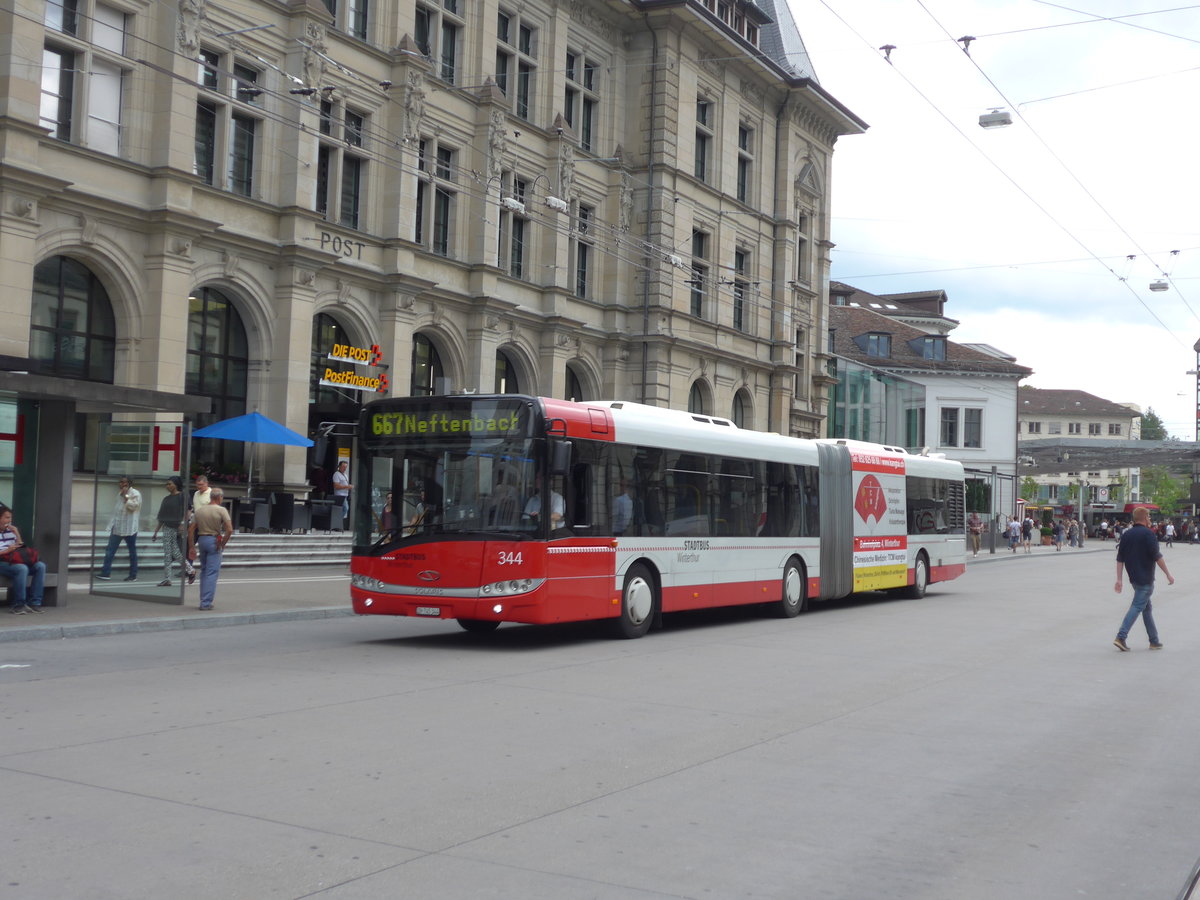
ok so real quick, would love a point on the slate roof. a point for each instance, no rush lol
(1033, 401)
(848, 322)
(917, 304)
(780, 40)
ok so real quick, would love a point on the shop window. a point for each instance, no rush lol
(574, 386)
(740, 414)
(217, 368)
(427, 373)
(506, 375)
(328, 331)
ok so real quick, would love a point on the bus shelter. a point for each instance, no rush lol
(42, 423)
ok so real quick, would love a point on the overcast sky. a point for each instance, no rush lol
(1028, 228)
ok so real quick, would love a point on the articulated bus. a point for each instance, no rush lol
(507, 508)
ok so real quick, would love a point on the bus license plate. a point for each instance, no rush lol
(429, 610)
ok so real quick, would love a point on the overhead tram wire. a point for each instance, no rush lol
(1078, 181)
(1091, 254)
(1093, 20)
(1120, 20)
(982, 266)
(1105, 87)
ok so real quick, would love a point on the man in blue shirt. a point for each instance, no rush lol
(1138, 552)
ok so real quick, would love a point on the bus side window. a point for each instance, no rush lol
(579, 513)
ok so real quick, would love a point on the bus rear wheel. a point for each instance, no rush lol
(795, 591)
(479, 626)
(916, 590)
(639, 599)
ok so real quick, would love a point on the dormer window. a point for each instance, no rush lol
(875, 344)
(930, 347)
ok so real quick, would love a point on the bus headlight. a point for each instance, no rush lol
(510, 587)
(366, 582)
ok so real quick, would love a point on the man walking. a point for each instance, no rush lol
(975, 530)
(1138, 552)
(208, 534)
(123, 526)
(342, 487)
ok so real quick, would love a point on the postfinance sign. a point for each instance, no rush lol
(349, 378)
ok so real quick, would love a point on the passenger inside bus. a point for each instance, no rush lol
(386, 517)
(622, 516)
(428, 507)
(503, 509)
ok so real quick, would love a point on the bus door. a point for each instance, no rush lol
(837, 522)
(689, 513)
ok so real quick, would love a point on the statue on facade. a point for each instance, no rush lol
(625, 214)
(566, 170)
(497, 144)
(314, 54)
(191, 14)
(414, 105)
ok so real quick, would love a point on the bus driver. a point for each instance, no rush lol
(533, 508)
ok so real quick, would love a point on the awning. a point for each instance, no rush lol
(1130, 507)
(97, 397)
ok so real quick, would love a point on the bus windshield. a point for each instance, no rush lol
(450, 470)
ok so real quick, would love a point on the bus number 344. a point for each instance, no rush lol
(509, 558)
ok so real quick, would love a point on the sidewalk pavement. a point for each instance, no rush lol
(244, 596)
(1002, 552)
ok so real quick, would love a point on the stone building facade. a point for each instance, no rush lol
(573, 199)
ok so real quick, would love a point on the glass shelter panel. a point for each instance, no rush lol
(139, 522)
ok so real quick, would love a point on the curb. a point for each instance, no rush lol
(170, 623)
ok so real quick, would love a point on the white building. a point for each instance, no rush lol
(905, 385)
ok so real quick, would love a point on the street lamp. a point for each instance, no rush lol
(1196, 372)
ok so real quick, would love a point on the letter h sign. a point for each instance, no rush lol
(159, 447)
(18, 438)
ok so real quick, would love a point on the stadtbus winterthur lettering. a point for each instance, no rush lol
(431, 424)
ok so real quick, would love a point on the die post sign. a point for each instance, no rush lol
(375, 382)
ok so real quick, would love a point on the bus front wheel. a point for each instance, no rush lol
(639, 597)
(795, 594)
(479, 626)
(916, 590)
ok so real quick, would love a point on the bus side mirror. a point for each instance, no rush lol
(560, 463)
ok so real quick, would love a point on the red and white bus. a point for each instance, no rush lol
(511, 508)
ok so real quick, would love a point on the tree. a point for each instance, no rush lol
(1153, 428)
(979, 495)
(1162, 488)
(1029, 489)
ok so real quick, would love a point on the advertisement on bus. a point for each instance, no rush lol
(880, 527)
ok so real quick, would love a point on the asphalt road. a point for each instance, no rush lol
(985, 742)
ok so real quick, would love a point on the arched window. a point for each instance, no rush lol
(426, 367)
(217, 363)
(506, 375)
(574, 386)
(696, 400)
(327, 331)
(72, 333)
(741, 410)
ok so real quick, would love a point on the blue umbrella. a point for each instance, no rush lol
(252, 428)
